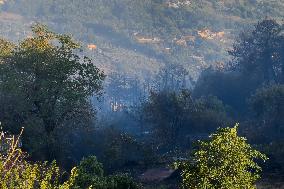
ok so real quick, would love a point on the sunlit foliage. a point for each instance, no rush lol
(225, 161)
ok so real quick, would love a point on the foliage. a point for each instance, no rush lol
(116, 150)
(89, 171)
(173, 77)
(16, 172)
(174, 115)
(46, 71)
(259, 52)
(231, 87)
(90, 174)
(210, 114)
(253, 84)
(275, 152)
(268, 108)
(166, 111)
(267, 102)
(257, 60)
(224, 161)
(122, 181)
(114, 22)
(46, 84)
(121, 150)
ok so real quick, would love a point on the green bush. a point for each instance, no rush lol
(121, 181)
(91, 175)
(90, 171)
(17, 173)
(224, 161)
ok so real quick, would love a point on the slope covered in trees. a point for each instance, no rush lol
(156, 107)
(150, 33)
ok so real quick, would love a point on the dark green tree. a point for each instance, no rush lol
(47, 82)
(90, 174)
(166, 112)
(174, 115)
(173, 77)
(267, 106)
(259, 53)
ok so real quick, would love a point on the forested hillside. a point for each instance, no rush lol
(139, 37)
(141, 94)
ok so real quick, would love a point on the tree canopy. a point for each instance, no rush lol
(46, 82)
(259, 52)
(225, 161)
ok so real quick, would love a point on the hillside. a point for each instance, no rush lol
(159, 94)
(139, 37)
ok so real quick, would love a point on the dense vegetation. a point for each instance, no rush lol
(225, 161)
(86, 128)
(45, 86)
(115, 25)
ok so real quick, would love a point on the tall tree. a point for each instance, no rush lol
(259, 53)
(173, 77)
(167, 112)
(47, 81)
(174, 116)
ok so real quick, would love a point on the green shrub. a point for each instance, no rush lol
(91, 175)
(121, 181)
(90, 171)
(225, 161)
(17, 173)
